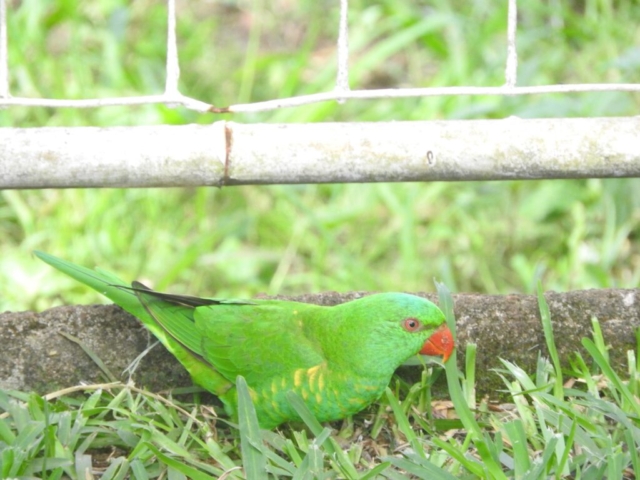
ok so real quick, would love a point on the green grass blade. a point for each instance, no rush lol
(375, 471)
(470, 375)
(6, 434)
(613, 377)
(331, 446)
(138, 470)
(304, 470)
(446, 305)
(403, 424)
(518, 437)
(457, 397)
(547, 328)
(251, 445)
(305, 414)
(457, 452)
(541, 464)
(598, 338)
(429, 466)
(632, 447)
(424, 469)
(563, 464)
(97, 360)
(116, 470)
(190, 472)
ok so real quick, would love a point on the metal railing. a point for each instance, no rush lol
(227, 153)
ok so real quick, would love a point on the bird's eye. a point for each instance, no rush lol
(411, 324)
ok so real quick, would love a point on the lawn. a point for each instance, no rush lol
(485, 237)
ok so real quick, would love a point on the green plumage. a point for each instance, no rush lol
(338, 359)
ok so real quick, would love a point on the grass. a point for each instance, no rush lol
(589, 428)
(483, 236)
(493, 237)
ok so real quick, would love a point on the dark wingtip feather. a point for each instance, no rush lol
(185, 300)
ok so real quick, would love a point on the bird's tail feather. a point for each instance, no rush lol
(169, 320)
(101, 281)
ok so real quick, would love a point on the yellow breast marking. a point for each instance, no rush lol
(369, 387)
(253, 395)
(312, 373)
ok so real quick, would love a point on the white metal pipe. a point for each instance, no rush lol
(227, 153)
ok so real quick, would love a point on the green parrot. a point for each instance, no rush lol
(337, 359)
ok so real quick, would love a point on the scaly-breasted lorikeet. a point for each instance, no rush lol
(337, 359)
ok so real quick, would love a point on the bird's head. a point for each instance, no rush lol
(388, 328)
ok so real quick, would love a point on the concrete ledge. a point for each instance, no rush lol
(35, 357)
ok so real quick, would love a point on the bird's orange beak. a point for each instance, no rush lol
(440, 344)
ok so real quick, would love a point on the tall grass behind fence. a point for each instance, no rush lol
(483, 236)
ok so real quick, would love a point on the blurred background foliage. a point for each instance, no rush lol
(488, 237)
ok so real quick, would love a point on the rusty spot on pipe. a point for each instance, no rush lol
(228, 137)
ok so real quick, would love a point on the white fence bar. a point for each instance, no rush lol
(167, 156)
(342, 77)
(511, 70)
(227, 153)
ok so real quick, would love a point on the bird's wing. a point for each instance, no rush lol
(174, 324)
(259, 341)
(175, 313)
(255, 339)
